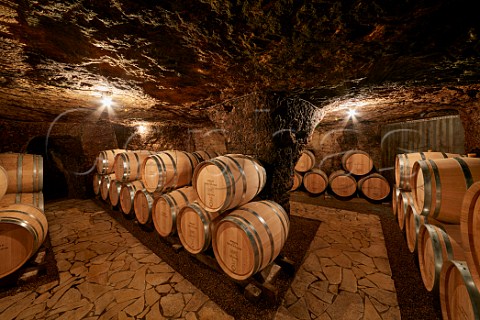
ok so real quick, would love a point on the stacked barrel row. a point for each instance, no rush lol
(23, 225)
(356, 177)
(203, 215)
(436, 202)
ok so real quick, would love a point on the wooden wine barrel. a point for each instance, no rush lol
(470, 226)
(342, 184)
(395, 195)
(23, 229)
(168, 170)
(166, 208)
(297, 180)
(127, 195)
(24, 172)
(438, 186)
(204, 155)
(250, 237)
(105, 185)
(143, 204)
(3, 181)
(437, 244)
(404, 164)
(106, 159)
(114, 192)
(195, 227)
(459, 297)
(128, 165)
(357, 162)
(228, 181)
(315, 181)
(97, 180)
(306, 161)
(34, 199)
(405, 200)
(413, 222)
(374, 187)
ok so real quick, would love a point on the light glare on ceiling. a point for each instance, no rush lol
(351, 113)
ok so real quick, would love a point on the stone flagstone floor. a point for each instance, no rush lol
(105, 273)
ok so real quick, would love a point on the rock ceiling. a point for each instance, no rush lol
(173, 61)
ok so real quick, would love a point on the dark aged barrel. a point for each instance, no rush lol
(23, 229)
(306, 161)
(315, 181)
(374, 187)
(357, 162)
(24, 172)
(106, 159)
(438, 186)
(228, 181)
(128, 165)
(404, 164)
(250, 237)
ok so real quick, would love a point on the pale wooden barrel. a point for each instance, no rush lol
(470, 230)
(3, 181)
(342, 184)
(297, 181)
(166, 208)
(97, 180)
(24, 172)
(250, 237)
(204, 155)
(228, 181)
(315, 181)
(105, 185)
(114, 191)
(34, 199)
(195, 227)
(437, 244)
(306, 161)
(374, 187)
(404, 164)
(168, 170)
(395, 195)
(127, 195)
(106, 159)
(459, 297)
(413, 222)
(438, 186)
(143, 204)
(405, 200)
(357, 162)
(23, 229)
(128, 165)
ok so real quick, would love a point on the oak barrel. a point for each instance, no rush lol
(105, 185)
(297, 181)
(24, 171)
(228, 181)
(128, 165)
(23, 229)
(166, 207)
(357, 162)
(439, 185)
(405, 200)
(34, 199)
(127, 195)
(395, 195)
(97, 180)
(437, 244)
(404, 164)
(374, 187)
(106, 159)
(168, 170)
(250, 237)
(143, 204)
(413, 222)
(114, 191)
(3, 181)
(470, 230)
(459, 297)
(315, 181)
(195, 227)
(204, 155)
(342, 184)
(306, 161)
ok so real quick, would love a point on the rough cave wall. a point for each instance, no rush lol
(470, 116)
(274, 129)
(209, 139)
